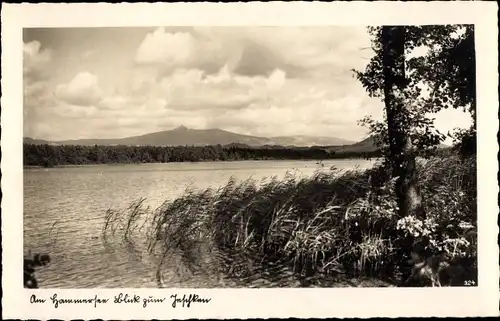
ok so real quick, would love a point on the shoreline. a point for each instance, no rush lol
(199, 162)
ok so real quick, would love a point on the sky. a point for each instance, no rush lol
(262, 81)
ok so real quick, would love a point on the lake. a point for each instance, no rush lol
(64, 210)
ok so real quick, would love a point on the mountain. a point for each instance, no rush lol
(179, 136)
(302, 140)
(182, 136)
(366, 145)
(28, 140)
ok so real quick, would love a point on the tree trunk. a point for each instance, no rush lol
(402, 155)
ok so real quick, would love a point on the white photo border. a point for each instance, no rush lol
(482, 300)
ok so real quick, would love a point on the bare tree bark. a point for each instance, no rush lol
(401, 150)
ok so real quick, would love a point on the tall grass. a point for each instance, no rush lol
(126, 220)
(333, 222)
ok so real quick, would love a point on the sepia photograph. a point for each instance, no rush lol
(335, 156)
(250, 160)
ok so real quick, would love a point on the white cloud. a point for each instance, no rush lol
(253, 67)
(169, 48)
(113, 103)
(75, 111)
(296, 50)
(37, 93)
(35, 60)
(194, 90)
(300, 114)
(310, 47)
(258, 105)
(185, 50)
(276, 80)
(82, 90)
(89, 54)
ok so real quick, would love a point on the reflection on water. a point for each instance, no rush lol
(64, 210)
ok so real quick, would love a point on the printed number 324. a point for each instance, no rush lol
(469, 282)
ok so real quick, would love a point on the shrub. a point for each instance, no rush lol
(30, 265)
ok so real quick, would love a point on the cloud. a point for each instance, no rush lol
(173, 50)
(89, 54)
(37, 99)
(37, 95)
(259, 81)
(35, 61)
(251, 51)
(38, 129)
(114, 103)
(75, 111)
(36, 92)
(168, 48)
(82, 90)
(309, 113)
(195, 90)
(299, 51)
(267, 81)
(315, 52)
(260, 105)
(315, 47)
(276, 80)
(255, 105)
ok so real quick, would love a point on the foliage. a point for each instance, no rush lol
(49, 155)
(30, 265)
(334, 222)
(450, 201)
(447, 70)
(464, 141)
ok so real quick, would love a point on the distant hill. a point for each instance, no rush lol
(28, 140)
(303, 140)
(179, 136)
(367, 145)
(182, 136)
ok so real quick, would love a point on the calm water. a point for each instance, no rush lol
(64, 211)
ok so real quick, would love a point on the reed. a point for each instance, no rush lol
(333, 222)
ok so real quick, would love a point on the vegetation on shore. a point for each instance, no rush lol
(49, 155)
(334, 222)
(30, 264)
(396, 74)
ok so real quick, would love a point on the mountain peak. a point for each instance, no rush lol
(182, 135)
(181, 127)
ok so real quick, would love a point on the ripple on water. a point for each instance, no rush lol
(64, 210)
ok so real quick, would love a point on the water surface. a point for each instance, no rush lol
(64, 211)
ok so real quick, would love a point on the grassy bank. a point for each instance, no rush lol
(334, 223)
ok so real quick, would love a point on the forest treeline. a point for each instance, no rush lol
(54, 155)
